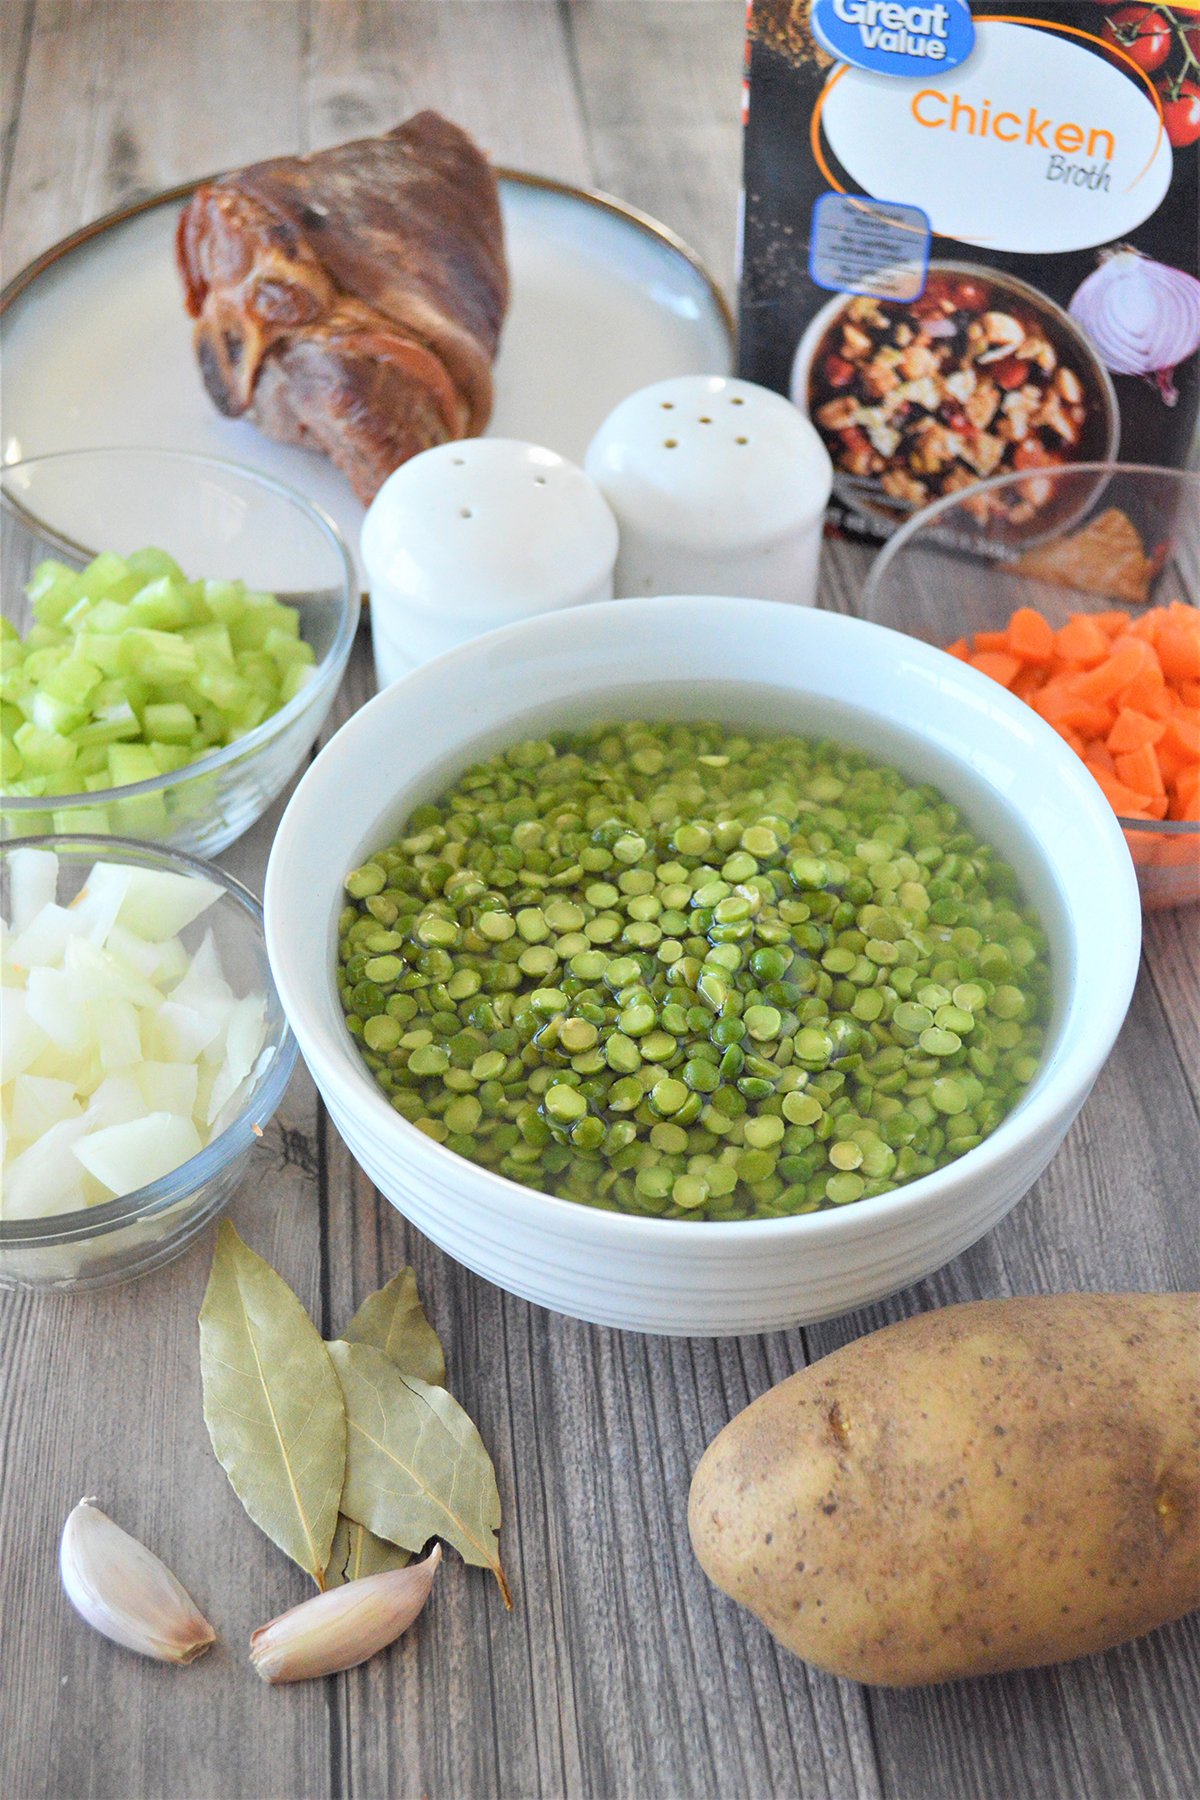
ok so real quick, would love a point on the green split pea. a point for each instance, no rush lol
(683, 971)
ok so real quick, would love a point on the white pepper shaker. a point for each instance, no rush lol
(719, 487)
(476, 534)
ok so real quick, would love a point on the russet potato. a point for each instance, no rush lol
(992, 1486)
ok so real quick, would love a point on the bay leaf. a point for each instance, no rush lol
(393, 1320)
(357, 1552)
(272, 1403)
(416, 1467)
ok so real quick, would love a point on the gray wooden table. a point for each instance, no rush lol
(621, 1674)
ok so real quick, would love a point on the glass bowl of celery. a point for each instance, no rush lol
(174, 631)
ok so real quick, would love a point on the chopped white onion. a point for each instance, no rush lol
(122, 1054)
(124, 1157)
(33, 883)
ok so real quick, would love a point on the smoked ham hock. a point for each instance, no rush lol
(351, 301)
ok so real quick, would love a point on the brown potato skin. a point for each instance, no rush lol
(991, 1486)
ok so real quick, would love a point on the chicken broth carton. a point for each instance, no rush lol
(971, 238)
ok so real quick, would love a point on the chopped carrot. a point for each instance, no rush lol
(1108, 678)
(1182, 734)
(1122, 798)
(1001, 665)
(1149, 809)
(1172, 764)
(1028, 683)
(1187, 795)
(1132, 730)
(1125, 695)
(1059, 706)
(1030, 636)
(1179, 652)
(1139, 769)
(1082, 642)
(1147, 693)
(959, 648)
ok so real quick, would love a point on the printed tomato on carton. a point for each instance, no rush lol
(928, 189)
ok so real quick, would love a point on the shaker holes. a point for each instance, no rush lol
(668, 405)
(736, 400)
(464, 512)
(670, 443)
(741, 440)
(539, 481)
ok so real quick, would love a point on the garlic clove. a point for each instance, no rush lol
(124, 1591)
(344, 1626)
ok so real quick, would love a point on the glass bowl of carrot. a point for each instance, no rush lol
(1096, 626)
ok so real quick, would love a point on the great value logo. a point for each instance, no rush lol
(890, 37)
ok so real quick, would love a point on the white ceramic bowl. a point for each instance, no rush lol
(759, 664)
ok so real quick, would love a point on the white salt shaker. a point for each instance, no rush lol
(476, 534)
(719, 487)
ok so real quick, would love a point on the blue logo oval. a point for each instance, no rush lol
(896, 37)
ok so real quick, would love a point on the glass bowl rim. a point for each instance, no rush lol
(239, 1135)
(327, 671)
(931, 513)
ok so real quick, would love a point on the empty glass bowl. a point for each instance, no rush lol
(1063, 541)
(218, 521)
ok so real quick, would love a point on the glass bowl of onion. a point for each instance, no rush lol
(174, 631)
(143, 1049)
(1095, 624)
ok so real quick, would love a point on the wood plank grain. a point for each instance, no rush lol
(661, 90)
(16, 33)
(373, 62)
(123, 99)
(1172, 964)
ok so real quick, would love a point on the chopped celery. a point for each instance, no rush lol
(144, 817)
(74, 680)
(79, 818)
(43, 751)
(128, 763)
(52, 714)
(108, 725)
(107, 617)
(284, 649)
(163, 605)
(170, 723)
(211, 643)
(152, 564)
(130, 670)
(296, 676)
(169, 756)
(157, 655)
(105, 573)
